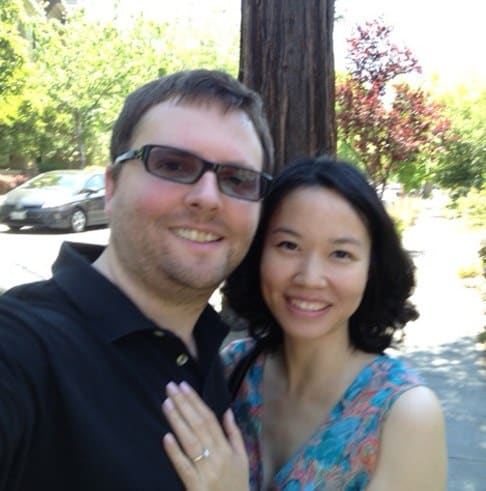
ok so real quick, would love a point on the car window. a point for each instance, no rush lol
(95, 182)
(71, 181)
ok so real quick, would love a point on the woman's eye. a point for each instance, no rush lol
(285, 244)
(341, 254)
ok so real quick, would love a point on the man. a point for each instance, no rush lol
(85, 356)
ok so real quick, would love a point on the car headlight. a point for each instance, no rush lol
(55, 202)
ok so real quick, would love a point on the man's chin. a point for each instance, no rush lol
(204, 283)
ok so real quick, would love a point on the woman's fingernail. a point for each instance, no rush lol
(172, 388)
(231, 416)
(185, 387)
(168, 404)
(169, 439)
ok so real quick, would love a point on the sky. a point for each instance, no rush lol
(447, 37)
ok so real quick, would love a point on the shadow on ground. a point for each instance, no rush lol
(457, 373)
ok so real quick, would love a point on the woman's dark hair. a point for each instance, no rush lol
(384, 308)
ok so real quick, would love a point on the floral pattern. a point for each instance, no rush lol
(342, 452)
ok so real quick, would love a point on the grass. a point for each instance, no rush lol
(472, 270)
(471, 206)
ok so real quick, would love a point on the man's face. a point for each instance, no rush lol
(173, 237)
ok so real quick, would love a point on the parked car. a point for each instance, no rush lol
(70, 199)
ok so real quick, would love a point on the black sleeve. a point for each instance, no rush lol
(13, 432)
(22, 375)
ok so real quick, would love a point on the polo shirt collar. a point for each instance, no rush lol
(98, 298)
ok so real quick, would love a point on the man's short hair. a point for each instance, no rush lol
(192, 87)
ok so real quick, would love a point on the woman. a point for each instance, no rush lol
(324, 288)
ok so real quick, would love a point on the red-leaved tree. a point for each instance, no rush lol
(386, 126)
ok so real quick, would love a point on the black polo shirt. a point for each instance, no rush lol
(82, 379)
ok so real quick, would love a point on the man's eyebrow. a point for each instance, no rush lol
(240, 163)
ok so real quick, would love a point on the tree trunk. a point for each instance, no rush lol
(286, 55)
(80, 139)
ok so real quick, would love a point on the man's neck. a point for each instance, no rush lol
(178, 316)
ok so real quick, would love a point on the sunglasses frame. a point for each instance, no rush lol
(143, 154)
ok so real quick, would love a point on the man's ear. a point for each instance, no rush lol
(110, 187)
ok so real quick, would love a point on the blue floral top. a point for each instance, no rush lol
(341, 455)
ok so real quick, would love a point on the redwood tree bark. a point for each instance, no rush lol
(286, 55)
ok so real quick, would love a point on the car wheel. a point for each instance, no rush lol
(15, 228)
(78, 220)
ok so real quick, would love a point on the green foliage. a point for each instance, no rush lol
(463, 164)
(13, 50)
(86, 70)
(413, 174)
(472, 206)
(482, 254)
(482, 336)
(66, 89)
(14, 61)
(194, 42)
(471, 270)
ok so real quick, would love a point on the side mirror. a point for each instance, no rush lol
(91, 190)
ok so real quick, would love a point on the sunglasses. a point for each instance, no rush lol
(184, 167)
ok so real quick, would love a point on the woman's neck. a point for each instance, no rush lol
(318, 370)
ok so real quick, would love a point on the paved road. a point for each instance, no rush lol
(27, 255)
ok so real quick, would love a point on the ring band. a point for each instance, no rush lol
(204, 455)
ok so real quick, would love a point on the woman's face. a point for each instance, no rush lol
(315, 262)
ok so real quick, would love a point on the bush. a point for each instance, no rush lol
(482, 337)
(48, 166)
(10, 181)
(471, 206)
(470, 270)
(482, 256)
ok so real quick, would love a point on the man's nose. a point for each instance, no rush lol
(205, 193)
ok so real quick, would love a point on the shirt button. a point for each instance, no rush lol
(182, 359)
(158, 334)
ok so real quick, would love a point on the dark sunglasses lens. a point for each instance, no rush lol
(173, 165)
(239, 182)
(179, 166)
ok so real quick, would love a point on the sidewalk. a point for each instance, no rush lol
(442, 343)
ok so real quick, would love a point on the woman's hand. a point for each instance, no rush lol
(205, 457)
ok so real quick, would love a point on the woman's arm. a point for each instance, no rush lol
(413, 448)
(205, 457)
